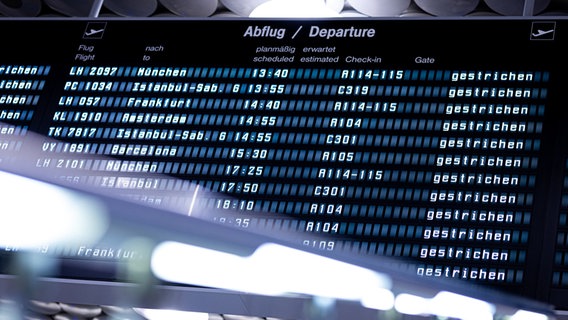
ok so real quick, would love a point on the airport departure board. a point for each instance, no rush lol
(440, 142)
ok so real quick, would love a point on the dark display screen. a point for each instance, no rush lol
(442, 142)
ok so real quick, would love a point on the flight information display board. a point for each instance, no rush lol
(441, 142)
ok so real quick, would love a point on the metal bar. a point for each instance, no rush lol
(528, 8)
(96, 8)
